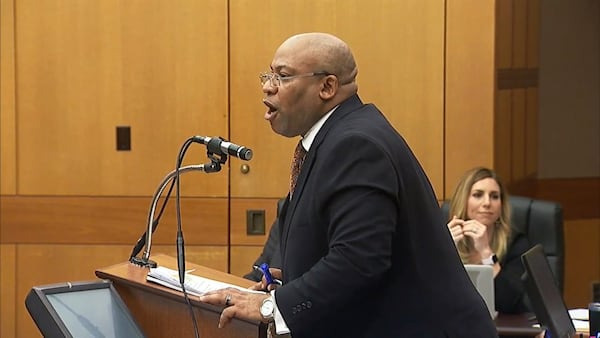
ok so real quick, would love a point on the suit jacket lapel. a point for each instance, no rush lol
(289, 207)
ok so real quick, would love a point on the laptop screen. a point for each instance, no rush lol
(482, 277)
(546, 300)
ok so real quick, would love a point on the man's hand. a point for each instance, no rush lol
(262, 285)
(237, 303)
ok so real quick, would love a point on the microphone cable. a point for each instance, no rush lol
(180, 242)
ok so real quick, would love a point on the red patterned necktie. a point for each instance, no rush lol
(299, 155)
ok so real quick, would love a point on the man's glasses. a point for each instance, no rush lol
(276, 79)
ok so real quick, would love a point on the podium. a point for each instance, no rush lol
(163, 313)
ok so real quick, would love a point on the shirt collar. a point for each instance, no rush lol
(308, 139)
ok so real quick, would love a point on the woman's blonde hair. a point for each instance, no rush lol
(458, 208)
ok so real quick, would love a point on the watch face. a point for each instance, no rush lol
(267, 308)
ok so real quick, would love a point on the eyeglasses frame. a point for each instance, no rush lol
(270, 76)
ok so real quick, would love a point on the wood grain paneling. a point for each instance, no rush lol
(239, 208)
(469, 110)
(503, 134)
(519, 34)
(8, 282)
(504, 28)
(516, 115)
(533, 34)
(86, 67)
(242, 258)
(582, 260)
(531, 131)
(518, 134)
(8, 158)
(579, 197)
(517, 78)
(114, 220)
(400, 70)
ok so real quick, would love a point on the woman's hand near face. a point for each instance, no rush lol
(456, 229)
(478, 232)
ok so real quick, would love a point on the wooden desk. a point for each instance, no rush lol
(519, 325)
(516, 325)
(162, 312)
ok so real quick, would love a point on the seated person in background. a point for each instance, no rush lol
(269, 255)
(480, 227)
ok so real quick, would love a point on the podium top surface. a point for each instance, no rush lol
(134, 275)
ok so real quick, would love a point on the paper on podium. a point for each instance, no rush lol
(193, 284)
(580, 318)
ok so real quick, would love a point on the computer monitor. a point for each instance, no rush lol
(546, 300)
(81, 309)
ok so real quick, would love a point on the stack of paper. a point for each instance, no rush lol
(193, 284)
(580, 318)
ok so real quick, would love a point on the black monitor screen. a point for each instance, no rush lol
(81, 309)
(546, 300)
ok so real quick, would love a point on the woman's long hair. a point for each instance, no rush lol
(458, 208)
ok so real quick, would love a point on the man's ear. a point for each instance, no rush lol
(329, 87)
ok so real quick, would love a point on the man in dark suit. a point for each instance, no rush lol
(363, 247)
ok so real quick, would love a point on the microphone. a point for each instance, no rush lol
(222, 147)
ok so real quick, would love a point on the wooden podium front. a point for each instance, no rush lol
(163, 313)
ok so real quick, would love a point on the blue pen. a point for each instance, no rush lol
(264, 268)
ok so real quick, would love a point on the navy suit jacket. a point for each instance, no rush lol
(362, 247)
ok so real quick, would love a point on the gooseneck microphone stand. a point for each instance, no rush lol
(217, 151)
(146, 238)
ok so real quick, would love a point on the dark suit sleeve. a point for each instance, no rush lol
(508, 287)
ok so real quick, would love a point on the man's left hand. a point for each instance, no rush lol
(237, 303)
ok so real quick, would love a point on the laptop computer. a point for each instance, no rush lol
(482, 277)
(546, 299)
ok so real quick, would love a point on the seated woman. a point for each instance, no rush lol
(480, 227)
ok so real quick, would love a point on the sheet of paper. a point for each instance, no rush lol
(193, 284)
(579, 314)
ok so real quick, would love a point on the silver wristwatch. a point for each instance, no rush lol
(267, 309)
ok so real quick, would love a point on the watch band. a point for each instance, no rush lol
(493, 259)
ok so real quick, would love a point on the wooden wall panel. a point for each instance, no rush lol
(8, 282)
(579, 197)
(85, 67)
(518, 135)
(531, 131)
(8, 158)
(533, 33)
(519, 34)
(469, 88)
(504, 34)
(515, 142)
(400, 70)
(239, 207)
(582, 260)
(242, 258)
(117, 220)
(47, 264)
(503, 134)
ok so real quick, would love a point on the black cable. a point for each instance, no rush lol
(180, 243)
